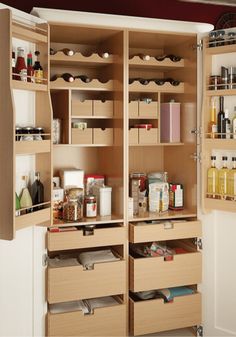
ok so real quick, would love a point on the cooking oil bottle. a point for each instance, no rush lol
(232, 180)
(212, 179)
(223, 178)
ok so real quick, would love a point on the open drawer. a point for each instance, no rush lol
(164, 231)
(157, 272)
(101, 236)
(156, 315)
(108, 321)
(75, 282)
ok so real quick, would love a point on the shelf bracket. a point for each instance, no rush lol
(196, 157)
(198, 243)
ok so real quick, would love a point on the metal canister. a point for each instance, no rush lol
(90, 206)
(38, 133)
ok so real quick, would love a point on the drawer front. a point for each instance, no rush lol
(150, 136)
(74, 240)
(110, 321)
(133, 109)
(158, 232)
(101, 136)
(72, 283)
(81, 136)
(104, 109)
(155, 315)
(81, 108)
(155, 273)
(133, 136)
(147, 110)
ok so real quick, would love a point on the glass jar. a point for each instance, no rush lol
(215, 82)
(38, 133)
(220, 38)
(72, 210)
(90, 206)
(212, 39)
(231, 38)
(18, 132)
(27, 134)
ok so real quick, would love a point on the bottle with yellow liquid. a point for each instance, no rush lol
(212, 179)
(223, 179)
(232, 180)
(212, 125)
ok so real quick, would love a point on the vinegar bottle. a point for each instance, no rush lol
(223, 179)
(212, 179)
(25, 198)
(212, 126)
(220, 118)
(232, 180)
(37, 192)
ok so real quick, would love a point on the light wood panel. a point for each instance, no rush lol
(78, 84)
(108, 321)
(7, 191)
(155, 315)
(71, 283)
(36, 146)
(72, 240)
(28, 34)
(156, 273)
(39, 217)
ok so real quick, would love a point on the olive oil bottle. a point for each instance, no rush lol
(212, 179)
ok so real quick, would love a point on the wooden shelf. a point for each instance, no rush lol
(166, 215)
(219, 204)
(92, 60)
(138, 117)
(32, 147)
(25, 32)
(166, 64)
(221, 92)
(42, 216)
(136, 86)
(81, 145)
(91, 117)
(158, 144)
(78, 84)
(90, 221)
(20, 85)
(220, 50)
(229, 144)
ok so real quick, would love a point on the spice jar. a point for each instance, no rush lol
(18, 132)
(90, 206)
(215, 82)
(220, 40)
(27, 134)
(212, 39)
(72, 210)
(38, 133)
(231, 38)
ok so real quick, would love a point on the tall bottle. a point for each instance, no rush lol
(223, 178)
(37, 192)
(226, 125)
(66, 77)
(220, 118)
(84, 78)
(25, 198)
(232, 180)
(212, 179)
(104, 55)
(66, 51)
(212, 126)
(21, 68)
(38, 70)
(234, 124)
(30, 69)
(17, 204)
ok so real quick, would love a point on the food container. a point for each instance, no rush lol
(143, 126)
(103, 194)
(91, 180)
(38, 133)
(176, 196)
(90, 206)
(27, 134)
(72, 178)
(215, 82)
(170, 122)
(72, 210)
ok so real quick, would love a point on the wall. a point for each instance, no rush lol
(162, 9)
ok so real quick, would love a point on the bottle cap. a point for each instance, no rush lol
(224, 158)
(213, 157)
(233, 158)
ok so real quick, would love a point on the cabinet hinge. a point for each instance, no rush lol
(196, 131)
(198, 243)
(199, 330)
(44, 260)
(198, 46)
(196, 157)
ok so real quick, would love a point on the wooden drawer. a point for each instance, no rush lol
(103, 136)
(74, 240)
(148, 137)
(109, 321)
(148, 110)
(156, 273)
(72, 283)
(161, 231)
(81, 136)
(133, 109)
(103, 108)
(155, 315)
(133, 136)
(81, 108)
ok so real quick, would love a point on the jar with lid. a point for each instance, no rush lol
(231, 38)
(215, 82)
(72, 210)
(220, 38)
(18, 131)
(27, 133)
(212, 39)
(90, 206)
(38, 133)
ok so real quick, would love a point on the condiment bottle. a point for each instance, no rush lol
(25, 198)
(21, 68)
(30, 69)
(13, 64)
(38, 70)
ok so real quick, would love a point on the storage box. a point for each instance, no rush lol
(103, 136)
(170, 122)
(133, 136)
(72, 178)
(81, 108)
(79, 136)
(103, 108)
(148, 136)
(133, 109)
(147, 110)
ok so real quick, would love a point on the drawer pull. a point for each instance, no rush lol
(168, 258)
(88, 230)
(88, 267)
(168, 225)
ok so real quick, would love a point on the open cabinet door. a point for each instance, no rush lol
(218, 219)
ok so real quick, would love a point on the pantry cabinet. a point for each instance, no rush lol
(99, 135)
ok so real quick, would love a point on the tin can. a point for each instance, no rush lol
(90, 206)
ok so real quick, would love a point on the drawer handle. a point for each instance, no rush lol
(168, 258)
(168, 225)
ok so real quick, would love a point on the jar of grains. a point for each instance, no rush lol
(72, 210)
